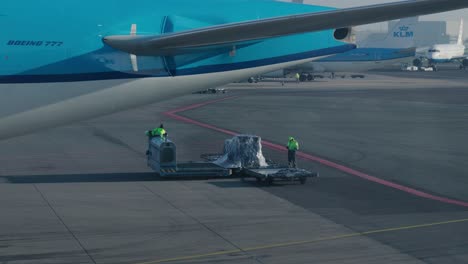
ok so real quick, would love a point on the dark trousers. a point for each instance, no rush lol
(292, 158)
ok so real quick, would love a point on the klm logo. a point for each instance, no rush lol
(403, 33)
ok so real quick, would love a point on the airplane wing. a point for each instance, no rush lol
(174, 43)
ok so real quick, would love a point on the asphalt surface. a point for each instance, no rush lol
(83, 194)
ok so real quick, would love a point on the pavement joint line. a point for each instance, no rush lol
(304, 242)
(174, 115)
(237, 250)
(65, 225)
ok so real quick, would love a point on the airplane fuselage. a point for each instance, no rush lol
(66, 61)
(55, 68)
(360, 60)
(445, 53)
(63, 42)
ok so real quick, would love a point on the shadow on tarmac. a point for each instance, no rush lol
(235, 182)
(81, 178)
(246, 183)
(97, 177)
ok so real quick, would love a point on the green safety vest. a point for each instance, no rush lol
(293, 145)
(158, 132)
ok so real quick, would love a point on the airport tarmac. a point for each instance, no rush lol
(447, 72)
(391, 153)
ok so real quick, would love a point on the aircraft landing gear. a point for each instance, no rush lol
(464, 64)
(253, 80)
(303, 77)
(306, 77)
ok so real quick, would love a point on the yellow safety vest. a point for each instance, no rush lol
(293, 145)
(159, 132)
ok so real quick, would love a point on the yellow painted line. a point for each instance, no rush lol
(296, 243)
(415, 226)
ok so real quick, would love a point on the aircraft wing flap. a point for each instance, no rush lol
(175, 43)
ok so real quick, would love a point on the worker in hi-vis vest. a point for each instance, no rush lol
(157, 132)
(292, 146)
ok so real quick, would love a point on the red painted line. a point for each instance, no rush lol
(190, 107)
(174, 114)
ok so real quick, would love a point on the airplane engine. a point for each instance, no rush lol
(417, 62)
(345, 34)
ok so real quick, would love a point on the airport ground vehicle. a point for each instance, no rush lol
(162, 158)
(211, 91)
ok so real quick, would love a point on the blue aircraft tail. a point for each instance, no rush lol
(400, 36)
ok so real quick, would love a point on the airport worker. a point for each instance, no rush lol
(292, 147)
(157, 132)
(298, 77)
(160, 132)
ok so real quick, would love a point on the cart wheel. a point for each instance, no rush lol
(269, 181)
(303, 180)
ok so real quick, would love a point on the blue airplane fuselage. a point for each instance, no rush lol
(370, 54)
(61, 41)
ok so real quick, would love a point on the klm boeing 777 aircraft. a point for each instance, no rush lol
(65, 61)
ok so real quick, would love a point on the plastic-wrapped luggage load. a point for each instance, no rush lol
(242, 151)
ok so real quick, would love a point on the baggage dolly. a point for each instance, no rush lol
(270, 175)
(161, 157)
